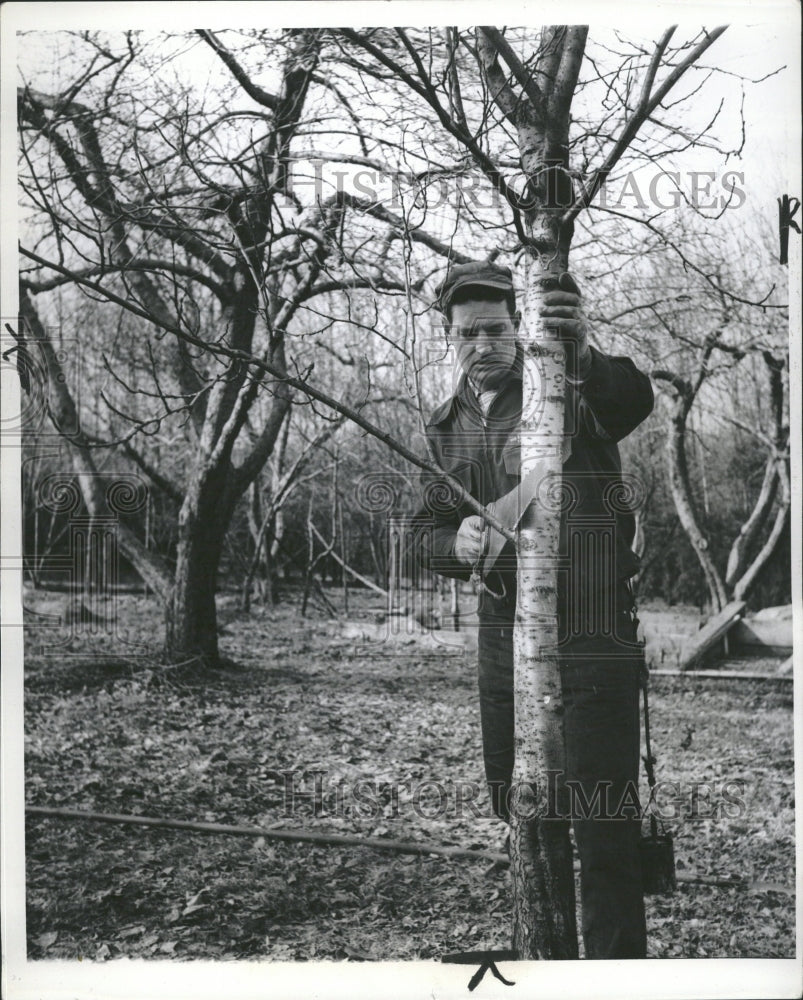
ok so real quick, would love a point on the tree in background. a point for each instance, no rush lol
(179, 209)
(714, 340)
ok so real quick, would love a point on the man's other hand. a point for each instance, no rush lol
(562, 309)
(469, 542)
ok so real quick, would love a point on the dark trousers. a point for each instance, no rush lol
(601, 730)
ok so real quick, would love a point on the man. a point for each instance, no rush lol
(474, 437)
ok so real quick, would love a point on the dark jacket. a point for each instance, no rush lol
(595, 557)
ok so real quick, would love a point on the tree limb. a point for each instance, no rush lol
(680, 485)
(748, 579)
(63, 413)
(679, 384)
(166, 485)
(524, 77)
(648, 102)
(254, 91)
(357, 576)
(571, 59)
(455, 95)
(754, 523)
(501, 91)
(420, 848)
(262, 365)
(146, 264)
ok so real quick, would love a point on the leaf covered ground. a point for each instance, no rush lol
(307, 727)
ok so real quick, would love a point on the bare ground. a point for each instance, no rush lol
(391, 728)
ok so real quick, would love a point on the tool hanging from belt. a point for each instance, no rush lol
(656, 849)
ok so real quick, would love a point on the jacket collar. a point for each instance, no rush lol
(465, 394)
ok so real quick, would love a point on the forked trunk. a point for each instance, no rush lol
(682, 496)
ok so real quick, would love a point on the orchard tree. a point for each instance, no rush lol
(505, 99)
(714, 339)
(759, 535)
(180, 210)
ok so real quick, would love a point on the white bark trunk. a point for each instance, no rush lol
(541, 857)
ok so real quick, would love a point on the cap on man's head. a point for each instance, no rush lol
(478, 274)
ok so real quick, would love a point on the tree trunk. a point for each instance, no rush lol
(191, 611)
(681, 495)
(343, 560)
(454, 604)
(272, 592)
(64, 414)
(544, 923)
(377, 556)
(259, 523)
(255, 528)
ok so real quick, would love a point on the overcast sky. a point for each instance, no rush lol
(748, 49)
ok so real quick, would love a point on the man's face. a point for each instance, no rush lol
(483, 333)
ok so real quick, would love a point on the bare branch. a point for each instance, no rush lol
(524, 77)
(260, 364)
(737, 556)
(455, 94)
(751, 574)
(571, 59)
(648, 102)
(501, 91)
(254, 91)
(679, 384)
(147, 264)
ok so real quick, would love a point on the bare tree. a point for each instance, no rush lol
(169, 210)
(486, 102)
(712, 353)
(746, 559)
